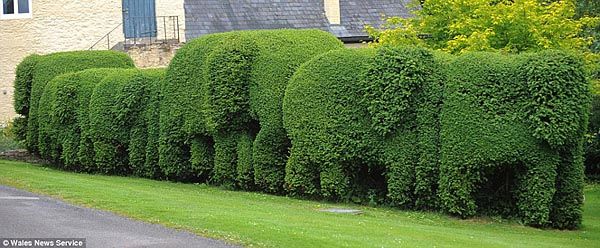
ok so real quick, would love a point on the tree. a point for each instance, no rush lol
(512, 26)
(591, 8)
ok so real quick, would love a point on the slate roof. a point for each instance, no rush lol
(214, 16)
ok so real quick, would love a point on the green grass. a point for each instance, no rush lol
(254, 219)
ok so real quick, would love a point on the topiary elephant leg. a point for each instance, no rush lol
(335, 183)
(244, 168)
(70, 146)
(535, 190)
(106, 158)
(151, 150)
(45, 145)
(173, 158)
(202, 157)
(85, 153)
(401, 161)
(301, 174)
(137, 150)
(225, 173)
(457, 183)
(400, 180)
(568, 199)
(269, 149)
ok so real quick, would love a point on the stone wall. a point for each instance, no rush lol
(61, 25)
(15, 44)
(153, 56)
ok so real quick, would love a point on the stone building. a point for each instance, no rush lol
(47, 26)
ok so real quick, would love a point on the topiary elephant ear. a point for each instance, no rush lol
(228, 72)
(392, 83)
(558, 96)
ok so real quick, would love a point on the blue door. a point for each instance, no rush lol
(139, 18)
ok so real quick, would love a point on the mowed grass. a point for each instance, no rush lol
(259, 220)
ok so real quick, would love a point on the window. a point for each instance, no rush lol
(14, 9)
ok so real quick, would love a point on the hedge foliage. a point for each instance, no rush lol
(233, 84)
(22, 86)
(102, 120)
(522, 118)
(374, 111)
(23, 80)
(121, 111)
(480, 133)
(288, 111)
(64, 134)
(49, 66)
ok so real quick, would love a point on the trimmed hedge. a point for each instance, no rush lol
(481, 133)
(507, 139)
(520, 118)
(326, 122)
(64, 134)
(52, 65)
(122, 110)
(111, 113)
(23, 81)
(348, 122)
(22, 86)
(102, 120)
(233, 83)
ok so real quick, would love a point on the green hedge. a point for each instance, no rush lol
(522, 119)
(69, 117)
(289, 111)
(356, 115)
(234, 83)
(23, 79)
(326, 122)
(102, 120)
(63, 117)
(121, 111)
(22, 86)
(49, 66)
(507, 138)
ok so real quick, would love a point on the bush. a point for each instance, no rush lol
(64, 134)
(23, 79)
(49, 66)
(507, 139)
(121, 113)
(326, 121)
(182, 126)
(521, 115)
(22, 86)
(234, 84)
(358, 114)
(102, 120)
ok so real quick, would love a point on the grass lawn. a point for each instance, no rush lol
(261, 220)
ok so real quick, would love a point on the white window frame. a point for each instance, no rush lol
(16, 15)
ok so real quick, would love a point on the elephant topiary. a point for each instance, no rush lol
(480, 133)
(222, 106)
